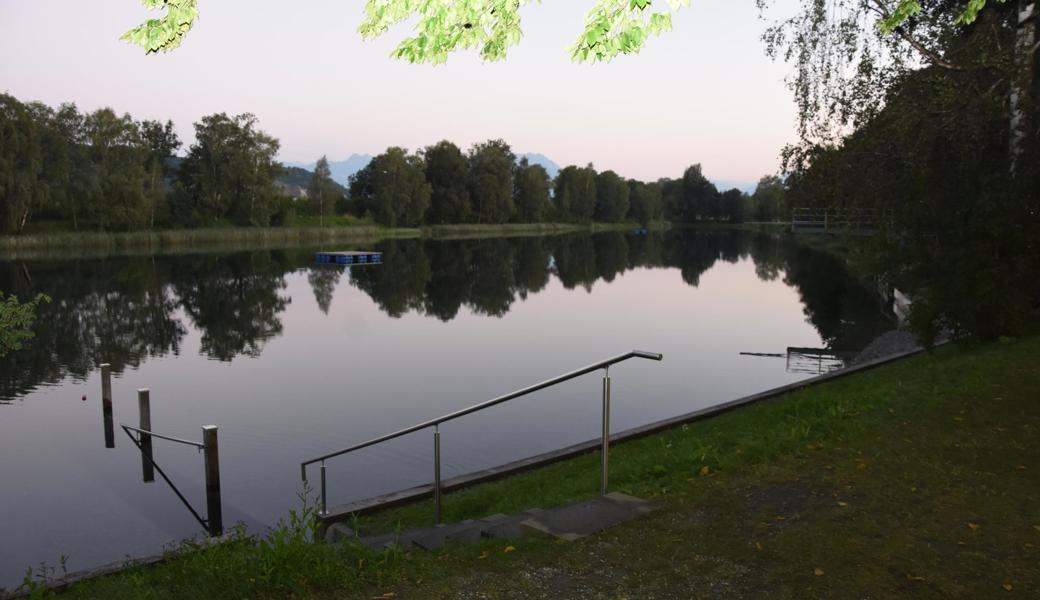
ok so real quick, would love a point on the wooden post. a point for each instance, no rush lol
(214, 516)
(145, 409)
(106, 405)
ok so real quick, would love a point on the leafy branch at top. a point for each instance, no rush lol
(612, 27)
(165, 33)
(907, 9)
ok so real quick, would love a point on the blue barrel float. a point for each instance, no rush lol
(352, 257)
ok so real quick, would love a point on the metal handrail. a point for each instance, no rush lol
(147, 455)
(165, 437)
(605, 365)
(214, 521)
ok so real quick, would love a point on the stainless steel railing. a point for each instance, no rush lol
(435, 423)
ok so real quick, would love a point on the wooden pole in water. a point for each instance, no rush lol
(106, 405)
(214, 516)
(145, 408)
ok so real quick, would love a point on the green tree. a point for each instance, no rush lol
(768, 201)
(612, 27)
(229, 171)
(848, 55)
(611, 198)
(67, 173)
(491, 181)
(697, 197)
(941, 173)
(576, 193)
(531, 192)
(20, 164)
(733, 204)
(447, 171)
(322, 190)
(117, 155)
(393, 188)
(646, 204)
(162, 142)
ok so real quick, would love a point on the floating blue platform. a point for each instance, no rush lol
(349, 258)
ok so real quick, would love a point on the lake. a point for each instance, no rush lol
(292, 359)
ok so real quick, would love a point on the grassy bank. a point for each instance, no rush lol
(916, 479)
(54, 245)
(833, 243)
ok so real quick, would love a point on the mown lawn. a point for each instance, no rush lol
(919, 479)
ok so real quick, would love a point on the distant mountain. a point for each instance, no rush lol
(295, 180)
(723, 185)
(540, 159)
(341, 169)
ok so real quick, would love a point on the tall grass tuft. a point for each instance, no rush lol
(288, 561)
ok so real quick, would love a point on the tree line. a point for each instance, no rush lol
(442, 184)
(64, 169)
(108, 172)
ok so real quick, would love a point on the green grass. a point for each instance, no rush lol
(918, 479)
(307, 232)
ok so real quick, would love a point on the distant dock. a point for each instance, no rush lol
(349, 258)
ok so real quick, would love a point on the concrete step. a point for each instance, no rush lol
(569, 522)
(578, 520)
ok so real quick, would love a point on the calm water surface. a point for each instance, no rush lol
(292, 360)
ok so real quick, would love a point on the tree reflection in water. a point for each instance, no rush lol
(124, 310)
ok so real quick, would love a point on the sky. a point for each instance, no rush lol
(703, 93)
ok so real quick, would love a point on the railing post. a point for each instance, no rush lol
(145, 409)
(437, 475)
(324, 502)
(106, 405)
(604, 466)
(214, 515)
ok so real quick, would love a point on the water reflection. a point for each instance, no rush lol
(125, 310)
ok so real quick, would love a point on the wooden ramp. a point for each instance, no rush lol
(352, 257)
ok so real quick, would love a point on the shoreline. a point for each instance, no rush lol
(185, 241)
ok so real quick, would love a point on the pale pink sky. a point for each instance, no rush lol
(703, 93)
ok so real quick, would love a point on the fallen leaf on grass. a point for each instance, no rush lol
(1008, 586)
(758, 546)
(914, 577)
(973, 526)
(483, 555)
(705, 471)
(1021, 467)
(508, 549)
(843, 504)
(1036, 527)
(817, 571)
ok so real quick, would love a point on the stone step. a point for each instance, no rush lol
(569, 522)
(578, 520)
